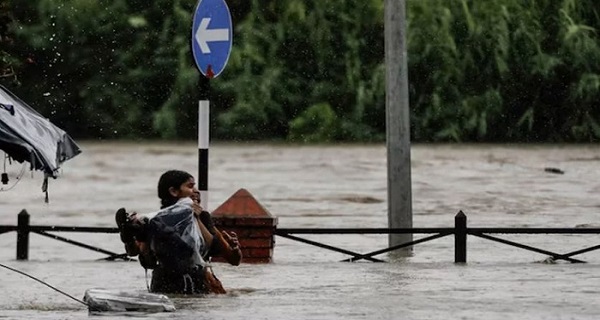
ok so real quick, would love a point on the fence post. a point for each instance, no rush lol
(460, 238)
(23, 235)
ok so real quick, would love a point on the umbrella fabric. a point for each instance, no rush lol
(25, 135)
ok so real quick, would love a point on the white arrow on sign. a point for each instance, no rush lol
(205, 35)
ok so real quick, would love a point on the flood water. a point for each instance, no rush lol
(329, 187)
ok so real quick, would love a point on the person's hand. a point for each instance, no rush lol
(232, 239)
(230, 246)
(133, 216)
(197, 208)
(196, 197)
(232, 252)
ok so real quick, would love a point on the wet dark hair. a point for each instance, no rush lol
(171, 178)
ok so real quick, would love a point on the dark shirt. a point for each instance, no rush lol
(148, 260)
(168, 281)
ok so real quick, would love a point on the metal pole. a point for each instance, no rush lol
(23, 235)
(203, 138)
(460, 238)
(398, 124)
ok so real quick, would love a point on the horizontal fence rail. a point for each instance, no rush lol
(534, 230)
(460, 232)
(23, 229)
(361, 230)
(73, 229)
(5, 229)
(439, 233)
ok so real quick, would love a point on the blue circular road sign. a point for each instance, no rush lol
(212, 35)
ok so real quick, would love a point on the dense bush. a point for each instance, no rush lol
(309, 70)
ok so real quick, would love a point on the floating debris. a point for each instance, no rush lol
(554, 170)
(102, 300)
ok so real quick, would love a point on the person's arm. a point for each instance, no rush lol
(206, 234)
(225, 244)
(230, 247)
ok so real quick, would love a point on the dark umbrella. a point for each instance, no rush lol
(25, 135)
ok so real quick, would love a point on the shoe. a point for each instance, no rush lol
(123, 223)
(126, 231)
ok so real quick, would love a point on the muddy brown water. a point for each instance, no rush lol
(328, 186)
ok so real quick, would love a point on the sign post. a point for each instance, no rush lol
(212, 35)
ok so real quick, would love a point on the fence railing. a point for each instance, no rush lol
(23, 229)
(437, 233)
(460, 232)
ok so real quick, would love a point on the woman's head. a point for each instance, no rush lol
(174, 185)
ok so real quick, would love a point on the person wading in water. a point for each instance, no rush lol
(178, 241)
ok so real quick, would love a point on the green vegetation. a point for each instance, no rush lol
(309, 70)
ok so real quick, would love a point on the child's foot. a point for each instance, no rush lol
(126, 232)
(122, 219)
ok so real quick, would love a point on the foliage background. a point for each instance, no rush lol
(309, 70)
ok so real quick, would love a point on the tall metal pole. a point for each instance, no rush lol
(398, 124)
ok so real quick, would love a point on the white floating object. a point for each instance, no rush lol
(102, 300)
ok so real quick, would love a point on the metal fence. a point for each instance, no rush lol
(23, 229)
(460, 232)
